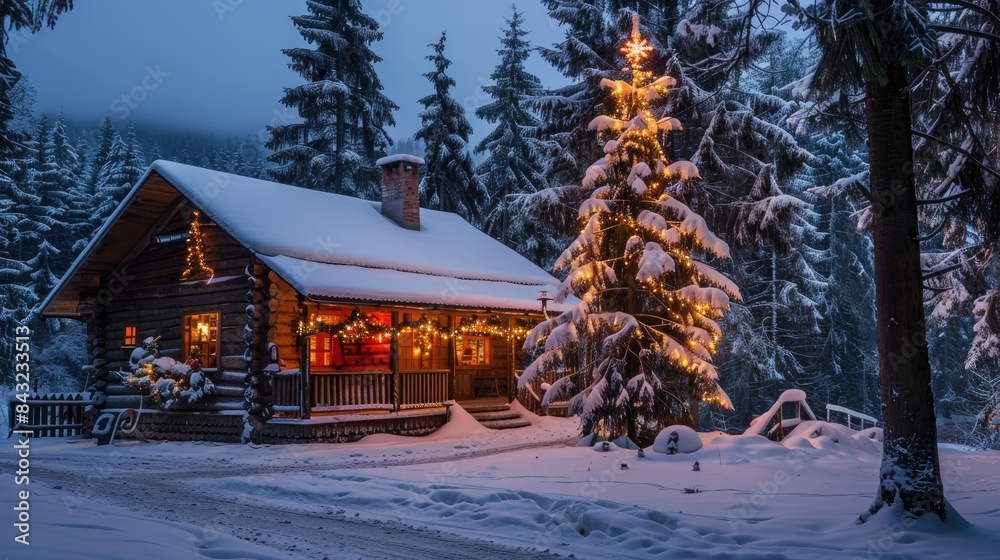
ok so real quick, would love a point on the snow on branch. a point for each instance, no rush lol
(709, 296)
(654, 262)
(718, 279)
(685, 169)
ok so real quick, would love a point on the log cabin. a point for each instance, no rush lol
(316, 316)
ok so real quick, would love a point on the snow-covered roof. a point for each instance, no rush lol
(331, 246)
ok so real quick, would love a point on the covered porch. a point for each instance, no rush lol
(381, 361)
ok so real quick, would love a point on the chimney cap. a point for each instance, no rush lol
(396, 158)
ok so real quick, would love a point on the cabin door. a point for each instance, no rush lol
(481, 370)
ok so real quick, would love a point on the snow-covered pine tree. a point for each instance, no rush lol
(106, 137)
(246, 162)
(72, 194)
(877, 53)
(83, 151)
(344, 112)
(587, 54)
(154, 153)
(125, 166)
(187, 154)
(774, 333)
(849, 355)
(449, 182)
(19, 16)
(637, 349)
(514, 161)
(44, 216)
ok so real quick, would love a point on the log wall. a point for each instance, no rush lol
(155, 299)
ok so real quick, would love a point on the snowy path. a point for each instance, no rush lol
(489, 495)
(176, 484)
(332, 534)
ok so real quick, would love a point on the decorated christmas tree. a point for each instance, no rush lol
(636, 352)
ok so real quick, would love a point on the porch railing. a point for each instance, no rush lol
(287, 396)
(531, 396)
(423, 388)
(351, 390)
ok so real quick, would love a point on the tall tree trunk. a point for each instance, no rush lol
(910, 470)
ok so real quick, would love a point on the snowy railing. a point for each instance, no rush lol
(533, 394)
(419, 388)
(851, 415)
(335, 391)
(530, 397)
(351, 390)
(287, 396)
(50, 415)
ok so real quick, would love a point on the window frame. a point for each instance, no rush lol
(190, 322)
(460, 346)
(133, 337)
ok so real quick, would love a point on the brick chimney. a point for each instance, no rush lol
(400, 193)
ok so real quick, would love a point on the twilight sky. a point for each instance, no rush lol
(216, 65)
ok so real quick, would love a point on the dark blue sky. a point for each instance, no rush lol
(216, 65)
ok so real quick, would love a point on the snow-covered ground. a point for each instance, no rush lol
(469, 492)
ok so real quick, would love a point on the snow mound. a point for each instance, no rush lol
(823, 435)
(625, 443)
(604, 446)
(597, 443)
(688, 440)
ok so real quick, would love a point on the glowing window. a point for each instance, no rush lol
(130, 335)
(473, 351)
(201, 338)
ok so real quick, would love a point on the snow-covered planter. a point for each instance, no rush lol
(687, 440)
(165, 379)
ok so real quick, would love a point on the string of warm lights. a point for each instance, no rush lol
(196, 264)
(145, 377)
(360, 326)
(634, 183)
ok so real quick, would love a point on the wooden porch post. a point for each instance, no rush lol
(394, 365)
(452, 348)
(511, 356)
(305, 395)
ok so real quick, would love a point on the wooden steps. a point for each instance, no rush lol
(497, 416)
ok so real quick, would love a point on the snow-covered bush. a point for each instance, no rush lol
(164, 378)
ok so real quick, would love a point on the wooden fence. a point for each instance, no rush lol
(50, 415)
(531, 395)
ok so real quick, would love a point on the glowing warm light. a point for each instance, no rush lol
(196, 263)
(360, 326)
(637, 47)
